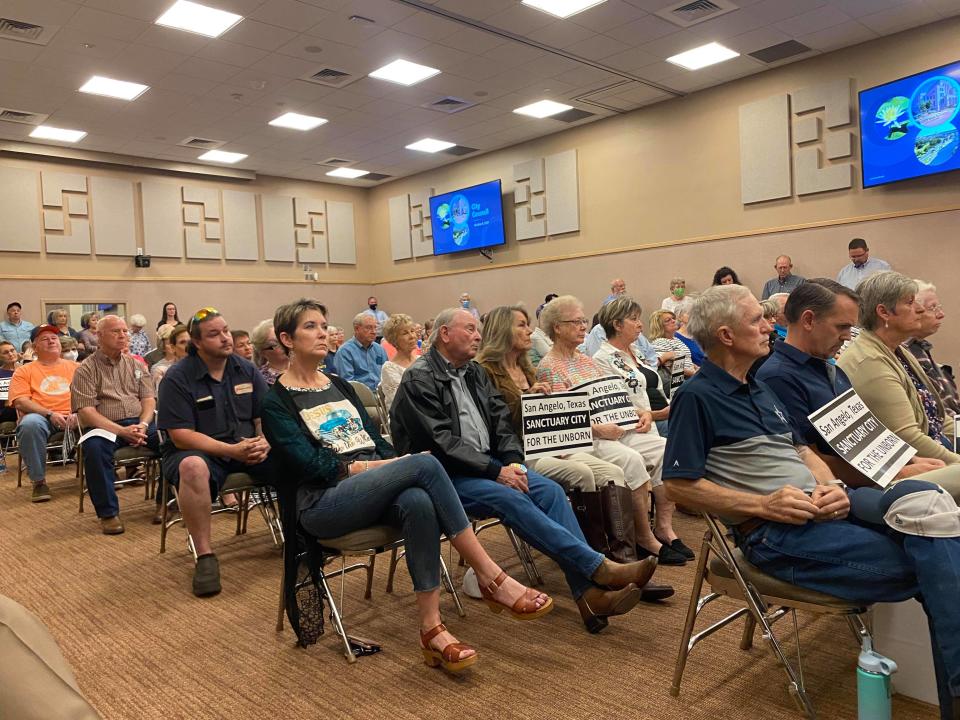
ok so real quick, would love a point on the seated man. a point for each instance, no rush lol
(40, 392)
(360, 358)
(114, 392)
(819, 316)
(731, 452)
(210, 412)
(447, 405)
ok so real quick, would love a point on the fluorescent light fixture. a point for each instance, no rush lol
(348, 173)
(543, 109)
(45, 132)
(99, 85)
(562, 8)
(222, 156)
(196, 18)
(430, 145)
(404, 72)
(297, 121)
(701, 57)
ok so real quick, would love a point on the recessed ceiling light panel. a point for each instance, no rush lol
(703, 56)
(296, 121)
(404, 72)
(430, 145)
(351, 173)
(543, 109)
(99, 85)
(562, 8)
(222, 156)
(196, 18)
(46, 132)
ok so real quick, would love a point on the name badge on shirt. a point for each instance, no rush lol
(205, 403)
(243, 388)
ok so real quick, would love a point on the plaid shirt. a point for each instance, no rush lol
(943, 381)
(114, 388)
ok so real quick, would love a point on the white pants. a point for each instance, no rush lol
(579, 471)
(639, 455)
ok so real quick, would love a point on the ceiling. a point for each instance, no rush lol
(497, 54)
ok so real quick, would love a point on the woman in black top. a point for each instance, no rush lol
(347, 477)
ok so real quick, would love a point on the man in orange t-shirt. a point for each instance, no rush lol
(40, 391)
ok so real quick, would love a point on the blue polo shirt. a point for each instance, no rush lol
(363, 364)
(735, 434)
(803, 383)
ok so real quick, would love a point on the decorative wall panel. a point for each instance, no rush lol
(66, 217)
(240, 226)
(113, 219)
(310, 217)
(341, 235)
(162, 219)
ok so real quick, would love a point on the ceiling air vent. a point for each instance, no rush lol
(460, 150)
(375, 177)
(24, 117)
(449, 105)
(26, 32)
(331, 77)
(686, 14)
(334, 161)
(572, 116)
(202, 143)
(780, 51)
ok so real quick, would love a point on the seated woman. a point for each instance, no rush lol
(639, 451)
(173, 342)
(268, 355)
(922, 349)
(663, 335)
(887, 376)
(88, 336)
(683, 335)
(622, 323)
(401, 332)
(725, 276)
(346, 477)
(678, 291)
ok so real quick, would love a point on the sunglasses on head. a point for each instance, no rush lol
(203, 314)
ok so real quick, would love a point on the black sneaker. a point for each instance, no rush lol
(41, 492)
(206, 576)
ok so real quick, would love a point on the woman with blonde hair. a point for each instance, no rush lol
(663, 335)
(268, 354)
(401, 332)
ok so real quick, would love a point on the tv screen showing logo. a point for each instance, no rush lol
(467, 219)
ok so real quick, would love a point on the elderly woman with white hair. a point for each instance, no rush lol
(677, 296)
(638, 451)
(888, 377)
(268, 355)
(922, 348)
(139, 341)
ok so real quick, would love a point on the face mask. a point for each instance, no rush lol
(373, 306)
(678, 292)
(465, 303)
(71, 355)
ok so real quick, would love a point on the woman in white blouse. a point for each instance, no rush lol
(401, 332)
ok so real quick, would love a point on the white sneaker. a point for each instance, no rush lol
(471, 587)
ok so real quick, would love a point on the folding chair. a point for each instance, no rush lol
(8, 439)
(524, 553)
(384, 411)
(61, 441)
(766, 600)
(369, 402)
(368, 543)
(123, 458)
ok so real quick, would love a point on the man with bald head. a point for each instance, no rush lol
(618, 288)
(785, 281)
(114, 392)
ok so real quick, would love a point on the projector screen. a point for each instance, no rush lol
(467, 219)
(907, 127)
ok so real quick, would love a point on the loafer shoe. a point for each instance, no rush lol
(41, 492)
(111, 525)
(666, 556)
(678, 545)
(206, 576)
(654, 593)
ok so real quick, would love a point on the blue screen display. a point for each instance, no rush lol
(908, 127)
(467, 219)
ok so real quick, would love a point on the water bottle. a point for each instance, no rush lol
(873, 684)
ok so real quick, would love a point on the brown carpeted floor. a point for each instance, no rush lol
(143, 647)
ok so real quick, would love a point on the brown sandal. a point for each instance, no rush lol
(524, 608)
(448, 658)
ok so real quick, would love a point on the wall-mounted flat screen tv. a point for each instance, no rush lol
(908, 127)
(467, 219)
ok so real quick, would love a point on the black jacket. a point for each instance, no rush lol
(424, 416)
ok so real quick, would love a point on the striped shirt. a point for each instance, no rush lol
(114, 388)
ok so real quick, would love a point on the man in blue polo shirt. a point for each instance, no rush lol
(801, 372)
(732, 451)
(361, 358)
(210, 411)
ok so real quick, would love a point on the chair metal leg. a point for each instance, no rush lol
(281, 606)
(533, 575)
(81, 476)
(19, 469)
(749, 627)
(394, 559)
(368, 592)
(692, 610)
(448, 581)
(335, 619)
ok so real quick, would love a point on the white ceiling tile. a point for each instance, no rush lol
(48, 12)
(774, 10)
(548, 65)
(812, 21)
(561, 34)
(259, 35)
(514, 54)
(18, 51)
(587, 76)
(946, 8)
(520, 19)
(481, 69)
(87, 43)
(757, 40)
(730, 25)
(184, 84)
(858, 8)
(849, 33)
(290, 14)
(427, 26)
(647, 28)
(474, 9)
(231, 53)
(902, 17)
(145, 62)
(344, 30)
(472, 41)
(284, 66)
(120, 27)
(148, 10)
(207, 69)
(608, 15)
(173, 40)
(383, 13)
(630, 60)
(442, 57)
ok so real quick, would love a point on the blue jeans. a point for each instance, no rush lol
(542, 517)
(413, 493)
(98, 468)
(862, 562)
(32, 434)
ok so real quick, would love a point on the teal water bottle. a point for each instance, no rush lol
(873, 684)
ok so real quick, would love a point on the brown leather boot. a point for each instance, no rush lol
(596, 605)
(618, 575)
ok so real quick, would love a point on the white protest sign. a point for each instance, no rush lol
(4, 388)
(859, 438)
(610, 401)
(556, 424)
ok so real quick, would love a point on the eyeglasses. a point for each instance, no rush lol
(578, 321)
(935, 310)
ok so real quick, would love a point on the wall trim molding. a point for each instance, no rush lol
(683, 241)
(109, 278)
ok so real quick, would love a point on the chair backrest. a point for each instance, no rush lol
(384, 410)
(369, 402)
